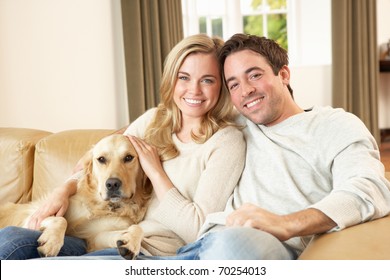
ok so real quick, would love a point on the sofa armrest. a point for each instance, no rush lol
(57, 155)
(367, 241)
(17, 162)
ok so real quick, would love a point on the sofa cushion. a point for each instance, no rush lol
(359, 242)
(57, 155)
(367, 241)
(17, 162)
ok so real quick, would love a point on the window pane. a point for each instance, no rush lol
(277, 4)
(202, 25)
(277, 28)
(248, 6)
(217, 27)
(253, 25)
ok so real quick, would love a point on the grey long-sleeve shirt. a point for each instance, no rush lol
(324, 158)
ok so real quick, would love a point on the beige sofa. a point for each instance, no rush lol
(33, 162)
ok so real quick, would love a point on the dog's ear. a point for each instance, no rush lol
(144, 186)
(147, 185)
(83, 162)
(86, 162)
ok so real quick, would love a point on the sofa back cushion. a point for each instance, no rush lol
(57, 155)
(17, 147)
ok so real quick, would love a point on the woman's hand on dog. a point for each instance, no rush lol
(151, 164)
(55, 205)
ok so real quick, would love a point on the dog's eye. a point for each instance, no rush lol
(102, 160)
(128, 158)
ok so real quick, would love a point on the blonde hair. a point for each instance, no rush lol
(167, 119)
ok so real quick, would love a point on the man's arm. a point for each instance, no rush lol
(302, 223)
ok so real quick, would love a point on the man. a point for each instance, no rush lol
(306, 171)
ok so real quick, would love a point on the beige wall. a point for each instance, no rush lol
(61, 64)
(310, 53)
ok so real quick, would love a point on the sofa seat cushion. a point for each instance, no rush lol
(17, 162)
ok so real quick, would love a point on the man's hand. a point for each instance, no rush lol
(249, 215)
(306, 222)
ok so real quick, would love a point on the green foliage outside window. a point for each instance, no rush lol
(217, 29)
(277, 23)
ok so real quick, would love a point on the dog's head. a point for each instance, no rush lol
(113, 167)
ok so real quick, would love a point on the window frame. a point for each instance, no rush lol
(230, 13)
(308, 27)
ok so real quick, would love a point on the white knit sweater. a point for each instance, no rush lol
(204, 176)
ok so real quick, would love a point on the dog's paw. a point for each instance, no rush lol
(52, 237)
(49, 246)
(125, 251)
(129, 245)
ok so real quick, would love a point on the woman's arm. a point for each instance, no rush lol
(56, 204)
(151, 164)
(220, 172)
(58, 201)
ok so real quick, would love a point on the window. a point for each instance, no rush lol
(302, 27)
(226, 17)
(266, 18)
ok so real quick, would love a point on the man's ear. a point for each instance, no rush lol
(284, 74)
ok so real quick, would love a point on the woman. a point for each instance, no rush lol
(191, 150)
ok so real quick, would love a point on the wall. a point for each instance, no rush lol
(383, 34)
(62, 67)
(310, 52)
(312, 75)
(61, 64)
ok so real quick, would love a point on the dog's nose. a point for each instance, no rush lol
(113, 184)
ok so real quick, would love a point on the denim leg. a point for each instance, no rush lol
(19, 244)
(188, 252)
(244, 244)
(104, 254)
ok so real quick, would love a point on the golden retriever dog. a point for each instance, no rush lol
(111, 198)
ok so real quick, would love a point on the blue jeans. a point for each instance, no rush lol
(19, 244)
(229, 244)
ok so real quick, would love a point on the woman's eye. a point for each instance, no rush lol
(183, 78)
(128, 158)
(208, 81)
